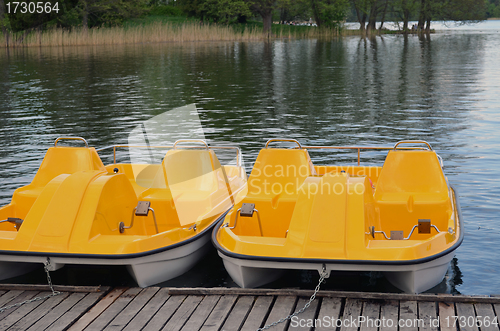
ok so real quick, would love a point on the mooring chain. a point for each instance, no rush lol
(300, 311)
(46, 265)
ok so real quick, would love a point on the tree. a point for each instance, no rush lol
(108, 12)
(265, 9)
(329, 12)
(225, 11)
(4, 23)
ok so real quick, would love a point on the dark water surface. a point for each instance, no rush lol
(444, 89)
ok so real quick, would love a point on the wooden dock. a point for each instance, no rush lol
(213, 309)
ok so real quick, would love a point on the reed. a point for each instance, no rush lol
(158, 32)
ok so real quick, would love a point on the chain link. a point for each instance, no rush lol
(46, 265)
(300, 311)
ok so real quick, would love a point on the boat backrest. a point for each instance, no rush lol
(411, 172)
(192, 169)
(66, 160)
(284, 170)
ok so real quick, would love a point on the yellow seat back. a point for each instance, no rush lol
(279, 172)
(411, 172)
(190, 169)
(66, 160)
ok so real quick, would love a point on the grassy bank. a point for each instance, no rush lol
(155, 31)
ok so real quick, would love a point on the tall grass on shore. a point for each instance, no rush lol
(151, 33)
(157, 32)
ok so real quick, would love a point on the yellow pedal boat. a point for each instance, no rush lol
(402, 219)
(156, 219)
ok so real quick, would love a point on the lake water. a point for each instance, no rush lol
(443, 88)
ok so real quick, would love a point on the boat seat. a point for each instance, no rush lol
(273, 186)
(415, 175)
(412, 186)
(57, 161)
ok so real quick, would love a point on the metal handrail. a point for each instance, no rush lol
(71, 138)
(373, 231)
(413, 142)
(192, 141)
(236, 221)
(283, 139)
(122, 227)
(238, 151)
(359, 148)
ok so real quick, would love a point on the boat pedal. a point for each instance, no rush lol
(16, 221)
(247, 209)
(397, 235)
(142, 208)
(424, 226)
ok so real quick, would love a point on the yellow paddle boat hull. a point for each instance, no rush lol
(156, 219)
(402, 219)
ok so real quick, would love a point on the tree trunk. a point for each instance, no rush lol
(382, 20)
(372, 19)
(316, 15)
(406, 16)
(428, 25)
(361, 18)
(3, 23)
(422, 15)
(85, 19)
(267, 17)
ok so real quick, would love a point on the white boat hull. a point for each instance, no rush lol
(147, 270)
(410, 278)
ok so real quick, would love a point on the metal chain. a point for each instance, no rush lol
(46, 265)
(300, 311)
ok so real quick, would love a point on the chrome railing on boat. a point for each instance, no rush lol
(71, 138)
(174, 146)
(358, 148)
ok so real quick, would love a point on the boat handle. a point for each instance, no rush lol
(372, 232)
(122, 227)
(70, 138)
(413, 142)
(201, 141)
(284, 140)
(236, 221)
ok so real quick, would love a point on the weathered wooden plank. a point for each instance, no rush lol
(150, 309)
(201, 313)
(370, 316)
(132, 309)
(258, 313)
(427, 315)
(98, 309)
(8, 297)
(466, 317)
(352, 311)
(389, 313)
(238, 314)
(28, 295)
(446, 319)
(57, 312)
(114, 309)
(36, 314)
(335, 294)
(77, 311)
(219, 313)
(177, 321)
(304, 321)
(283, 306)
(15, 314)
(60, 288)
(408, 316)
(485, 316)
(329, 314)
